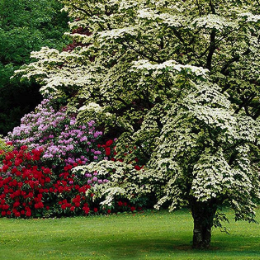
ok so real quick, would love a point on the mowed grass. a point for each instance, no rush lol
(150, 235)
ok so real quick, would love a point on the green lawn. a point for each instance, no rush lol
(126, 236)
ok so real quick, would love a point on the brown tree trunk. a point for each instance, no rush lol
(203, 215)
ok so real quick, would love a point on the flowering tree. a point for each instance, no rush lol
(178, 81)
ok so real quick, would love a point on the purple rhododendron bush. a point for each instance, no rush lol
(36, 178)
(57, 135)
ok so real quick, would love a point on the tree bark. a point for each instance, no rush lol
(203, 215)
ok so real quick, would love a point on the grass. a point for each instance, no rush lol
(140, 236)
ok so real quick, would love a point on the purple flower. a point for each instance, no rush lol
(97, 134)
(83, 139)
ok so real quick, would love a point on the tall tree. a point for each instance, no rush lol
(177, 82)
(25, 26)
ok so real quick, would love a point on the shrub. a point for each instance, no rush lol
(36, 178)
(29, 189)
(57, 135)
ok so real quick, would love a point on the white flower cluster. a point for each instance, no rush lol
(213, 21)
(118, 33)
(170, 65)
(250, 17)
(163, 18)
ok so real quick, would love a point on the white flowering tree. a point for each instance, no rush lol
(177, 80)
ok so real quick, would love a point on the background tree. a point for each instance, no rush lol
(177, 82)
(25, 26)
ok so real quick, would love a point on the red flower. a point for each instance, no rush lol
(5, 207)
(16, 204)
(108, 211)
(30, 195)
(95, 210)
(109, 142)
(28, 213)
(132, 209)
(5, 168)
(72, 208)
(137, 167)
(46, 170)
(17, 214)
(14, 170)
(40, 205)
(24, 147)
(86, 210)
(77, 204)
(107, 151)
(17, 162)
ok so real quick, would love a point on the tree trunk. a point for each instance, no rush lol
(203, 215)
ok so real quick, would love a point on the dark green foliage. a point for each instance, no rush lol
(28, 25)
(25, 26)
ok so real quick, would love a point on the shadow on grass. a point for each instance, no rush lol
(222, 245)
(139, 248)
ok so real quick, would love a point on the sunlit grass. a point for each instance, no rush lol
(140, 236)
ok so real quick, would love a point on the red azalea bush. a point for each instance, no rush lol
(29, 189)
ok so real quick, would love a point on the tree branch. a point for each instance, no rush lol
(212, 49)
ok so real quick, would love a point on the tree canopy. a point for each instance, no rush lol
(25, 26)
(177, 82)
